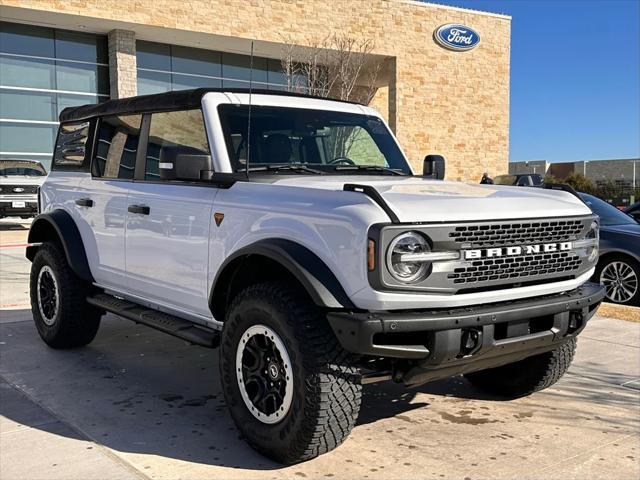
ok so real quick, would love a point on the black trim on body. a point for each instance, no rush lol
(67, 234)
(374, 195)
(314, 275)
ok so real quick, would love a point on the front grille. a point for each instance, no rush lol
(11, 189)
(520, 233)
(516, 268)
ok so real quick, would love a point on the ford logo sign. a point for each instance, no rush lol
(18, 190)
(456, 37)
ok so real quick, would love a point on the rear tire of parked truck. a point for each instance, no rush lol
(61, 313)
(291, 389)
(527, 376)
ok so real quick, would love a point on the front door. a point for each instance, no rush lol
(169, 216)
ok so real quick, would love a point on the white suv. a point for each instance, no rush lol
(20, 181)
(290, 232)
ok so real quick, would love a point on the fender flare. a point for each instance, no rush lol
(313, 274)
(67, 232)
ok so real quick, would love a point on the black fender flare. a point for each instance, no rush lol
(61, 224)
(313, 274)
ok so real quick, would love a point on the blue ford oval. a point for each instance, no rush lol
(457, 37)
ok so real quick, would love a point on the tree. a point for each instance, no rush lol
(580, 183)
(336, 66)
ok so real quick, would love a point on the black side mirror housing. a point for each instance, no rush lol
(433, 167)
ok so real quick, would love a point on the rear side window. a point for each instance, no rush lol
(117, 146)
(71, 145)
(178, 147)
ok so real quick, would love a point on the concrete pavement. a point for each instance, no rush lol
(150, 406)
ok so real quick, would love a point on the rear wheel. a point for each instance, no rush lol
(527, 376)
(291, 389)
(61, 313)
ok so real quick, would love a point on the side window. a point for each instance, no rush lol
(71, 145)
(117, 146)
(178, 147)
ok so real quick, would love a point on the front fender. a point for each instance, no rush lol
(58, 225)
(312, 273)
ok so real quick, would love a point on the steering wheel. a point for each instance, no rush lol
(341, 161)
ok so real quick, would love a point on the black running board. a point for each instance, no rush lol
(162, 321)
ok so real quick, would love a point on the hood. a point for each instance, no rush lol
(627, 228)
(417, 199)
(21, 180)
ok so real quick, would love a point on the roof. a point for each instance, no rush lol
(178, 100)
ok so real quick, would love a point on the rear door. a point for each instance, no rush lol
(168, 216)
(101, 199)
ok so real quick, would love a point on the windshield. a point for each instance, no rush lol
(311, 141)
(609, 215)
(12, 167)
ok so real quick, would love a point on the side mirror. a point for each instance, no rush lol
(176, 164)
(433, 167)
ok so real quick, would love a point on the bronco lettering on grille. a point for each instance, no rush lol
(516, 250)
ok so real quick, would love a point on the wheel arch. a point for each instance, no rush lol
(276, 258)
(58, 226)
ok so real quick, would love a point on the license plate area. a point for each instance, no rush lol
(18, 204)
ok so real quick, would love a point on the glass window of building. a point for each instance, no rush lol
(42, 71)
(162, 68)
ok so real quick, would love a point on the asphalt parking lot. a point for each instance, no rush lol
(139, 404)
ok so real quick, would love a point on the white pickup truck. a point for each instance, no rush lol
(291, 233)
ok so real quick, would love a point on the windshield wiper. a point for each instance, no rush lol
(290, 167)
(374, 168)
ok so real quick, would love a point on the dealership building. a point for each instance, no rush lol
(55, 54)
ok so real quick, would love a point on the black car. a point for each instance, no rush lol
(633, 210)
(519, 180)
(619, 266)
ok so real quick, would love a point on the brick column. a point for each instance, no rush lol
(123, 77)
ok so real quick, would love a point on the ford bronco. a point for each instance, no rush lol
(290, 232)
(19, 184)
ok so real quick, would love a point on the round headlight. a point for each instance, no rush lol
(407, 271)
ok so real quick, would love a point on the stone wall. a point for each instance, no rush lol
(437, 101)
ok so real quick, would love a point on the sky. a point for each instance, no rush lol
(575, 77)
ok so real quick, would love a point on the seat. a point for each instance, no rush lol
(277, 149)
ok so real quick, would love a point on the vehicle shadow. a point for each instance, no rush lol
(6, 226)
(138, 391)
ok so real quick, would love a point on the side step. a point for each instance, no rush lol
(164, 322)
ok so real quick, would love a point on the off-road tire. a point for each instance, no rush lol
(75, 323)
(527, 376)
(326, 384)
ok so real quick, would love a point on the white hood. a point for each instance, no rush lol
(21, 180)
(416, 199)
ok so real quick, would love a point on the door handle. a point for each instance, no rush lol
(141, 209)
(84, 202)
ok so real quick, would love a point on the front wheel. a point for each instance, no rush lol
(291, 389)
(526, 376)
(61, 313)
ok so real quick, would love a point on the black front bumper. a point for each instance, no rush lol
(445, 342)
(7, 209)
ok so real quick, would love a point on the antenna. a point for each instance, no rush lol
(249, 114)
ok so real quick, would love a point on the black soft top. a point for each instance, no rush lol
(177, 100)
